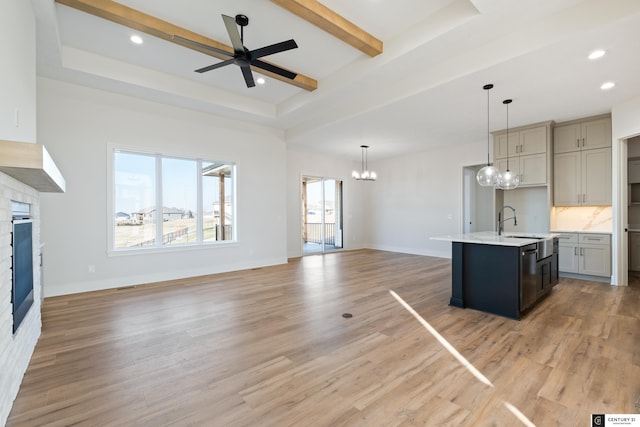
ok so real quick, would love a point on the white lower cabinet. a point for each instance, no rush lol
(584, 253)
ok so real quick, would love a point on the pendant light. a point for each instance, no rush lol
(488, 175)
(508, 180)
(365, 174)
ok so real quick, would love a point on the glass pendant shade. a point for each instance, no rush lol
(508, 180)
(488, 176)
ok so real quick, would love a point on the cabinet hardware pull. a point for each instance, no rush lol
(583, 142)
(581, 251)
(578, 142)
(575, 250)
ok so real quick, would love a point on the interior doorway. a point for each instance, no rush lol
(478, 203)
(322, 224)
(633, 211)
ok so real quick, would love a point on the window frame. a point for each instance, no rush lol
(159, 247)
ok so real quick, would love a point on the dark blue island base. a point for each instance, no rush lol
(502, 280)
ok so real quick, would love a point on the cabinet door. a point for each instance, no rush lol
(596, 177)
(596, 133)
(501, 148)
(595, 260)
(568, 258)
(566, 138)
(533, 141)
(634, 251)
(566, 179)
(634, 172)
(533, 169)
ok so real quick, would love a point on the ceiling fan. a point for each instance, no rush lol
(241, 56)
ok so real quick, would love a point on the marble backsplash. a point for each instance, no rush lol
(582, 218)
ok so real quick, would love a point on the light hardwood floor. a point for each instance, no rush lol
(269, 347)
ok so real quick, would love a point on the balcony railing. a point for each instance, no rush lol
(314, 233)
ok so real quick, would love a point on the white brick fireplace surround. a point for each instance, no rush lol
(16, 350)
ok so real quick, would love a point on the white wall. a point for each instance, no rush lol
(420, 196)
(532, 209)
(18, 71)
(17, 92)
(301, 163)
(79, 124)
(625, 123)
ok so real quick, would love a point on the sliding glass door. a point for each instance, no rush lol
(321, 214)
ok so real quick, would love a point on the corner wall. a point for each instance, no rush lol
(307, 163)
(420, 196)
(79, 126)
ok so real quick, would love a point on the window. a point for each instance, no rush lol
(162, 201)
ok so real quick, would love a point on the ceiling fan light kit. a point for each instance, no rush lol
(241, 56)
(365, 174)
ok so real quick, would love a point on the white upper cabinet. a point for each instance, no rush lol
(582, 178)
(523, 142)
(528, 150)
(584, 135)
(582, 163)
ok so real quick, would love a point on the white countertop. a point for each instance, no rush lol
(492, 238)
(581, 231)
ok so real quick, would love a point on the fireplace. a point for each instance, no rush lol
(22, 269)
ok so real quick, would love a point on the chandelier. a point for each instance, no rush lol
(365, 174)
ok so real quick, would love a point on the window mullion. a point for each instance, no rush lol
(199, 204)
(159, 202)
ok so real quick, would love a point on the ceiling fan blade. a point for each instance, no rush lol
(274, 48)
(214, 66)
(234, 35)
(191, 43)
(248, 76)
(274, 69)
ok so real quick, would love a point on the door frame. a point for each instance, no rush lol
(339, 214)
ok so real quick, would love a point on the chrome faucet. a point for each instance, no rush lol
(501, 221)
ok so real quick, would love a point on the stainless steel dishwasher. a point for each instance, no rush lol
(529, 283)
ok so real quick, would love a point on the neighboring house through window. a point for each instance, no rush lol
(162, 201)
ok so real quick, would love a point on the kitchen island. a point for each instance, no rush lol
(502, 274)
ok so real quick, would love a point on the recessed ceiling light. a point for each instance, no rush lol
(260, 81)
(597, 54)
(607, 85)
(136, 39)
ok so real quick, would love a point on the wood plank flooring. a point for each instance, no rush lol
(269, 347)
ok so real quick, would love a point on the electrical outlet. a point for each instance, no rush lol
(92, 268)
(450, 216)
(17, 117)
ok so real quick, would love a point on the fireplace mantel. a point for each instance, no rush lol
(31, 164)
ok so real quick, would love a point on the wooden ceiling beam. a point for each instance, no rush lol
(334, 24)
(132, 18)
